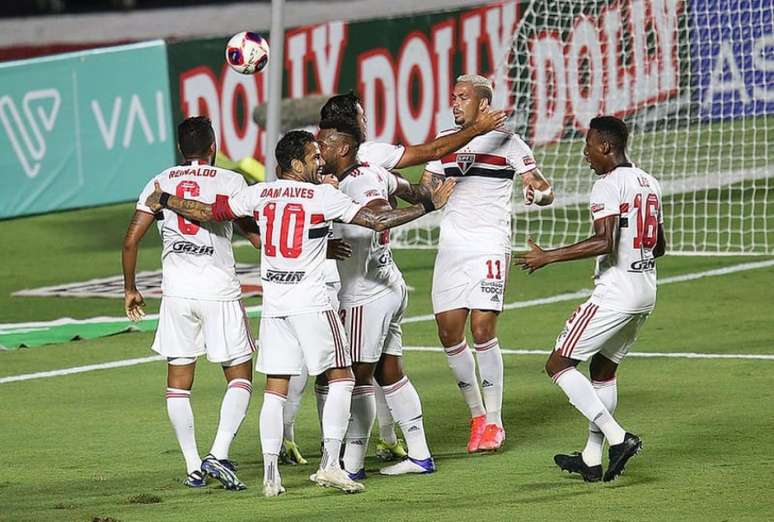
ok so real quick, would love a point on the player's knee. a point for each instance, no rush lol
(601, 368)
(482, 333)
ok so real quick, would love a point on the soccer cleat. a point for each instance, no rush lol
(619, 454)
(272, 488)
(358, 475)
(574, 464)
(336, 478)
(477, 426)
(410, 465)
(195, 479)
(389, 452)
(215, 469)
(290, 454)
(492, 439)
(229, 464)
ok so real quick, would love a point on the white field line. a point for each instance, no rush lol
(506, 351)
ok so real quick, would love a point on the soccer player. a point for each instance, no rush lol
(298, 324)
(345, 111)
(628, 237)
(201, 311)
(373, 299)
(474, 252)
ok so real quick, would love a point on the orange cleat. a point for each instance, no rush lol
(493, 438)
(477, 426)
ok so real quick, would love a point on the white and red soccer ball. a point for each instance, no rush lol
(247, 52)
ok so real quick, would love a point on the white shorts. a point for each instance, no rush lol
(593, 329)
(315, 339)
(374, 328)
(193, 327)
(469, 280)
(333, 294)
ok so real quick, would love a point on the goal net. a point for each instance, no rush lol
(694, 80)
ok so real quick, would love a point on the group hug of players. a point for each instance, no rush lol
(334, 299)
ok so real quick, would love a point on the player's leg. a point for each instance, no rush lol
(389, 446)
(290, 453)
(483, 326)
(602, 371)
(180, 376)
(406, 406)
(362, 416)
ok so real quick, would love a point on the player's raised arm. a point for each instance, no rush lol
(443, 145)
(387, 218)
(604, 241)
(224, 209)
(537, 189)
(411, 192)
(133, 301)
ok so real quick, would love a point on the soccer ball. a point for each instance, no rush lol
(247, 53)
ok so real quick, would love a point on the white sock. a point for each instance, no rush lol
(335, 420)
(232, 412)
(363, 412)
(320, 395)
(607, 391)
(271, 432)
(582, 395)
(383, 415)
(296, 388)
(490, 366)
(407, 410)
(463, 366)
(181, 415)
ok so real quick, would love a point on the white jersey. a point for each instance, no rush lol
(294, 219)
(385, 155)
(370, 271)
(196, 258)
(625, 281)
(478, 214)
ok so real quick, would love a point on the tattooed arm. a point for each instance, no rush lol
(407, 191)
(384, 217)
(187, 208)
(133, 301)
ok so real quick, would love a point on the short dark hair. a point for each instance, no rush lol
(613, 130)
(195, 135)
(340, 113)
(291, 147)
(344, 127)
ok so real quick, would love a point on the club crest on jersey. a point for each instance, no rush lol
(465, 161)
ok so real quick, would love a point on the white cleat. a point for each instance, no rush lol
(272, 488)
(409, 466)
(336, 478)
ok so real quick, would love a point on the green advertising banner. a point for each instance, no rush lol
(83, 129)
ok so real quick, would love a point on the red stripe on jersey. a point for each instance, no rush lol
(221, 210)
(491, 159)
(450, 158)
(623, 207)
(316, 219)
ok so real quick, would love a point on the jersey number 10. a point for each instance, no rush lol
(291, 210)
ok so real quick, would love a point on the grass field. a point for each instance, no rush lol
(99, 444)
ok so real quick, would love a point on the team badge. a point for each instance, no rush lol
(465, 161)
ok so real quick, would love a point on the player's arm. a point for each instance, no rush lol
(190, 209)
(411, 192)
(661, 242)
(248, 228)
(537, 189)
(138, 226)
(604, 241)
(387, 217)
(443, 145)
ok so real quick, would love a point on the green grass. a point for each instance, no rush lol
(99, 444)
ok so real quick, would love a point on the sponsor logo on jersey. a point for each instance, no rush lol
(492, 287)
(465, 161)
(283, 277)
(528, 160)
(643, 265)
(373, 193)
(597, 207)
(186, 247)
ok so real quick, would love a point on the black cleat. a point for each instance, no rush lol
(574, 464)
(620, 454)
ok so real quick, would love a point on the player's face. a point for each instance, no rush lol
(313, 163)
(466, 105)
(328, 146)
(594, 151)
(361, 119)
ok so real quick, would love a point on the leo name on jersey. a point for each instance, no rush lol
(478, 214)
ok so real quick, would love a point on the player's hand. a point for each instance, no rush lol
(330, 179)
(533, 260)
(338, 249)
(133, 305)
(489, 121)
(429, 181)
(529, 195)
(152, 201)
(441, 194)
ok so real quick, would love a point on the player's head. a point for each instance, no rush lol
(606, 143)
(472, 96)
(298, 157)
(345, 109)
(196, 139)
(338, 147)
